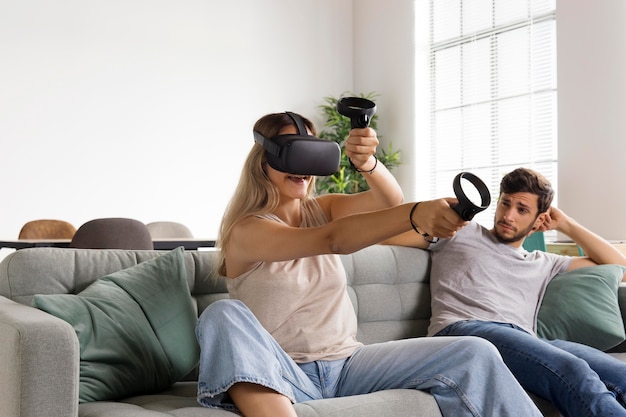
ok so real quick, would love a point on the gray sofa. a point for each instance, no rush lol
(39, 363)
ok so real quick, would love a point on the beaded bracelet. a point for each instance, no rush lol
(371, 171)
(415, 227)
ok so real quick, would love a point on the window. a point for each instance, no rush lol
(493, 91)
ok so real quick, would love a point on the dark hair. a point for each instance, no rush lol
(526, 180)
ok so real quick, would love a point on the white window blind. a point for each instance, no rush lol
(493, 91)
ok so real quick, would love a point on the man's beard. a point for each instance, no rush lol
(516, 238)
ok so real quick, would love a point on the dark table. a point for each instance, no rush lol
(159, 244)
(188, 244)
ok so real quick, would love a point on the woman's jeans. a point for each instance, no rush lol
(579, 380)
(465, 375)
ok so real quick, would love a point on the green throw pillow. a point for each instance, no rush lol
(582, 306)
(136, 328)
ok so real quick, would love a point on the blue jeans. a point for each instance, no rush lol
(579, 380)
(466, 376)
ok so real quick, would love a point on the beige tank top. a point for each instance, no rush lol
(302, 303)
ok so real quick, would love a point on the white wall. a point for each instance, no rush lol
(144, 108)
(591, 50)
(391, 56)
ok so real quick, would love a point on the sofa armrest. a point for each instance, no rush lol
(39, 363)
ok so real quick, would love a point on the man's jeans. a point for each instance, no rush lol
(578, 379)
(465, 375)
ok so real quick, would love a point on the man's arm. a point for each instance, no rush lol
(598, 250)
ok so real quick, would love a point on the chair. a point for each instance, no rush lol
(535, 241)
(166, 230)
(113, 233)
(47, 229)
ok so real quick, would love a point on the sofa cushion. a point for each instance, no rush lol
(135, 328)
(582, 306)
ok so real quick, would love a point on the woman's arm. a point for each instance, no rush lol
(384, 190)
(259, 240)
(410, 239)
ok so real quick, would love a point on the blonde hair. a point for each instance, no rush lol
(255, 194)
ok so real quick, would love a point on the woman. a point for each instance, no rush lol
(290, 320)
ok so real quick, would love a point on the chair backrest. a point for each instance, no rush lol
(535, 241)
(113, 233)
(47, 229)
(167, 230)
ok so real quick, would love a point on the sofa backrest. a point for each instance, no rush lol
(390, 290)
(27, 272)
(388, 285)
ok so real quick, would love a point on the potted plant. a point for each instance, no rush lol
(346, 180)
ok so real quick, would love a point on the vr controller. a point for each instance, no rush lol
(360, 110)
(466, 208)
(300, 154)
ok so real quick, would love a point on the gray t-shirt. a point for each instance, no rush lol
(475, 277)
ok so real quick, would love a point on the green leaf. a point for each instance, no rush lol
(337, 129)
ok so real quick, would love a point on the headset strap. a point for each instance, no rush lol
(269, 145)
(297, 120)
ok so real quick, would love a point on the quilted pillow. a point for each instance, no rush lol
(581, 306)
(135, 328)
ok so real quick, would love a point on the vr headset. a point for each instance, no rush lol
(300, 154)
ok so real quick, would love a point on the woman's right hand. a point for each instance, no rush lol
(437, 218)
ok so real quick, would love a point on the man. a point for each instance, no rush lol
(485, 284)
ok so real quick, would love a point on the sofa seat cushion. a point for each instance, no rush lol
(135, 328)
(180, 400)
